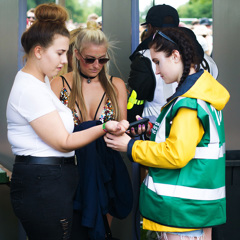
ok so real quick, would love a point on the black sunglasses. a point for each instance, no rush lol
(163, 35)
(31, 17)
(92, 60)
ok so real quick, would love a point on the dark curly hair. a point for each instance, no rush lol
(182, 43)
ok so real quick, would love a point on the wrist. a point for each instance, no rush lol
(148, 133)
(104, 127)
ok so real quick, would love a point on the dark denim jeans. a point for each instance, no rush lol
(42, 199)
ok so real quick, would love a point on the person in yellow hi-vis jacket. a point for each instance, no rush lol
(184, 191)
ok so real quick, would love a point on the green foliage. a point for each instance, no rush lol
(192, 9)
(78, 9)
(196, 9)
(143, 14)
(75, 11)
(34, 3)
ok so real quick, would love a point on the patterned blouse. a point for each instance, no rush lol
(107, 113)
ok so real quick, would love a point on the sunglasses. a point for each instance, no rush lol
(31, 17)
(163, 35)
(92, 60)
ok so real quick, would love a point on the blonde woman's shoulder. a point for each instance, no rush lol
(117, 81)
(57, 83)
(120, 86)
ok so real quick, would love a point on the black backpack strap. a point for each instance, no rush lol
(65, 80)
(205, 65)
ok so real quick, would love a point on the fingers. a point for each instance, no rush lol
(139, 130)
(132, 131)
(118, 143)
(109, 139)
(138, 117)
(124, 124)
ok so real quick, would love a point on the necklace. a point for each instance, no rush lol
(87, 77)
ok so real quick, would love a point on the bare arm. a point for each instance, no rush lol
(178, 149)
(121, 96)
(52, 131)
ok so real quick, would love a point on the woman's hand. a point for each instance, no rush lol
(141, 129)
(117, 128)
(118, 143)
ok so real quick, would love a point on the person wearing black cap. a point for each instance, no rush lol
(205, 21)
(148, 91)
(145, 99)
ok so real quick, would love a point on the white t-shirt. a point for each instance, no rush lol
(30, 99)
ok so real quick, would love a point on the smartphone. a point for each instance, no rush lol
(136, 123)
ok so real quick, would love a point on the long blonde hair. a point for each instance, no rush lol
(91, 35)
(73, 35)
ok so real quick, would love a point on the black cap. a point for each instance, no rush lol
(157, 13)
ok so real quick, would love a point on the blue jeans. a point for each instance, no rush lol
(42, 199)
(196, 233)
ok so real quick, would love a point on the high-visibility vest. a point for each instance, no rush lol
(192, 196)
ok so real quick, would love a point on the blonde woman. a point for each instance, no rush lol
(68, 66)
(94, 97)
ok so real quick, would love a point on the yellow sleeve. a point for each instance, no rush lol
(178, 149)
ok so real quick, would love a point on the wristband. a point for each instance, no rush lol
(150, 130)
(104, 127)
(151, 125)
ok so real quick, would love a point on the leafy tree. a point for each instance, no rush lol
(143, 14)
(196, 9)
(78, 9)
(34, 3)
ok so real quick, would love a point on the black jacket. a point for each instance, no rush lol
(142, 80)
(104, 185)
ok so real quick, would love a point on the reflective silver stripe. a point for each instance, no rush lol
(184, 192)
(212, 151)
(161, 134)
(214, 138)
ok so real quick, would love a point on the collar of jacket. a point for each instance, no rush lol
(186, 85)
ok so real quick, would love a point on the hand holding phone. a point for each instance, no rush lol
(135, 124)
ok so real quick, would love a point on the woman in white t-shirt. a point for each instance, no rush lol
(40, 129)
